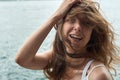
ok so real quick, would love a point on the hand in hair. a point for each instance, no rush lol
(64, 7)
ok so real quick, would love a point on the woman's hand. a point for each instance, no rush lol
(64, 7)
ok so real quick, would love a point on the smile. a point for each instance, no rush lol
(75, 37)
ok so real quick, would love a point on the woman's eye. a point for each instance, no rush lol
(86, 24)
(72, 20)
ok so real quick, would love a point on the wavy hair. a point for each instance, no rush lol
(101, 44)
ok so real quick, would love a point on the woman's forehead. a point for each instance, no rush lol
(78, 16)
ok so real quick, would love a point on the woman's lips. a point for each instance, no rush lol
(76, 37)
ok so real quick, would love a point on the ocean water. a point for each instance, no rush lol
(18, 19)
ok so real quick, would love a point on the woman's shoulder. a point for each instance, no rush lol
(98, 71)
(96, 63)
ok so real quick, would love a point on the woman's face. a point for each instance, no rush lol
(76, 33)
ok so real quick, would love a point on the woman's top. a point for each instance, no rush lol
(85, 76)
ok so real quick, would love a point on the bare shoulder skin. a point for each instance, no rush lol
(100, 73)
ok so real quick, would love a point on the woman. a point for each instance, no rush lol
(83, 48)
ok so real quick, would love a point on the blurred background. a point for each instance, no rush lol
(19, 18)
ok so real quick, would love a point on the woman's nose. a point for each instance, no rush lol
(77, 26)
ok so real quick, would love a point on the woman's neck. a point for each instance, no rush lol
(76, 60)
(76, 55)
(76, 63)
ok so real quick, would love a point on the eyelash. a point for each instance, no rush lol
(71, 20)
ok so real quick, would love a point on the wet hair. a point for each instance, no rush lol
(101, 45)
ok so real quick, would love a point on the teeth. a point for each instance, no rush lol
(76, 37)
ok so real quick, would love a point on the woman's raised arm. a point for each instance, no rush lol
(27, 56)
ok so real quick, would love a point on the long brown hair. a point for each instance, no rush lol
(101, 44)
